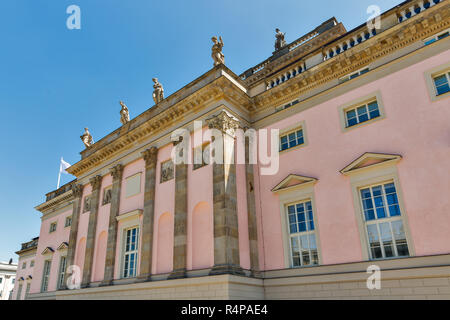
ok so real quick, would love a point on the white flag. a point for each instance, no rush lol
(64, 165)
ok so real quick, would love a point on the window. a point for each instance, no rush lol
(130, 252)
(362, 114)
(167, 171)
(302, 234)
(354, 75)
(62, 271)
(1, 280)
(19, 292)
(32, 263)
(46, 275)
(441, 83)
(52, 227)
(133, 185)
(107, 194)
(68, 222)
(201, 156)
(437, 37)
(383, 221)
(27, 290)
(24, 265)
(291, 139)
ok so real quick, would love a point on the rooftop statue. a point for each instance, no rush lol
(158, 93)
(279, 42)
(124, 114)
(87, 138)
(216, 49)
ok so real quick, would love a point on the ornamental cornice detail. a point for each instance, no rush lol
(117, 172)
(223, 122)
(95, 182)
(353, 59)
(150, 156)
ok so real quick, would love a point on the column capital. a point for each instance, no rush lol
(77, 190)
(116, 172)
(95, 182)
(150, 156)
(223, 122)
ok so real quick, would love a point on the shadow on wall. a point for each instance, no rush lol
(202, 237)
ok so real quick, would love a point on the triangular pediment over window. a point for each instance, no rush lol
(63, 246)
(292, 181)
(368, 160)
(48, 250)
(29, 277)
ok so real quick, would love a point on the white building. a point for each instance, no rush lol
(7, 279)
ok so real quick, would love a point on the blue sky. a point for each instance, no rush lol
(55, 81)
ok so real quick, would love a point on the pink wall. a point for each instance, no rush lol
(23, 273)
(98, 266)
(414, 127)
(52, 240)
(163, 228)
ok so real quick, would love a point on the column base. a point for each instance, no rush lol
(177, 274)
(227, 269)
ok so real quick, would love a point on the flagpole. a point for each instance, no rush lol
(59, 175)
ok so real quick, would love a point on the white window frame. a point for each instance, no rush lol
(67, 219)
(358, 73)
(365, 100)
(128, 221)
(447, 76)
(53, 227)
(430, 75)
(125, 253)
(291, 129)
(377, 222)
(46, 275)
(61, 271)
(302, 233)
(371, 175)
(19, 292)
(27, 289)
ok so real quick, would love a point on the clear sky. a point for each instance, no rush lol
(55, 81)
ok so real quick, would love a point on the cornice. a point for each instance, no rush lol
(418, 27)
(220, 88)
(69, 195)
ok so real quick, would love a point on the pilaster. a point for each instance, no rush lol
(226, 234)
(116, 173)
(96, 183)
(150, 157)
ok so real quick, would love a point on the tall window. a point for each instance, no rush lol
(291, 139)
(27, 291)
(53, 227)
(302, 234)
(68, 222)
(46, 275)
(383, 221)
(130, 252)
(62, 271)
(362, 113)
(19, 292)
(441, 83)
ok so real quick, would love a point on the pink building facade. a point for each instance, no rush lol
(359, 177)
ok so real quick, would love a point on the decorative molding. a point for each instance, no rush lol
(369, 160)
(63, 246)
(223, 122)
(117, 172)
(77, 190)
(293, 181)
(135, 214)
(150, 156)
(95, 182)
(47, 251)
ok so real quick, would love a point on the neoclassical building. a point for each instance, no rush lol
(25, 267)
(352, 171)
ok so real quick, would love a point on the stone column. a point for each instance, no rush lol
(77, 190)
(150, 157)
(180, 220)
(226, 234)
(96, 183)
(116, 173)
(251, 209)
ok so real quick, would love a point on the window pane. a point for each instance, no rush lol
(362, 114)
(374, 241)
(386, 238)
(441, 84)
